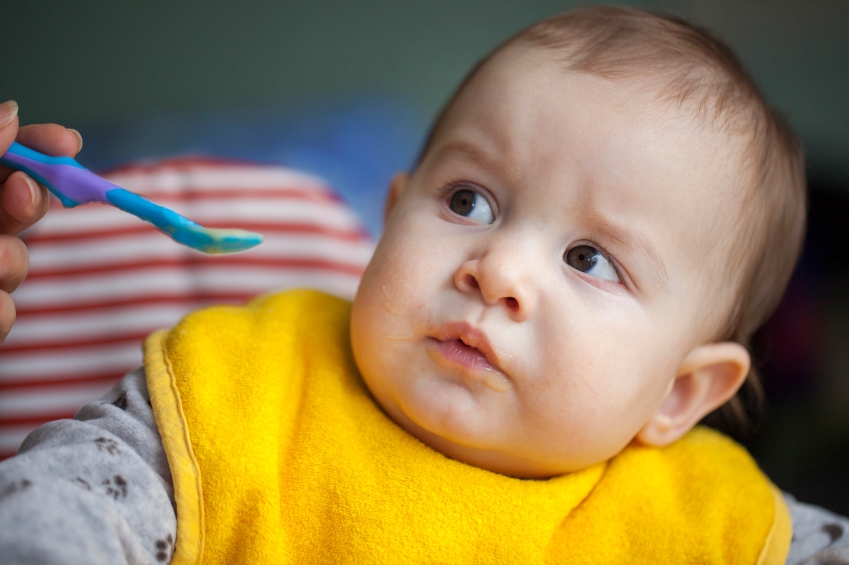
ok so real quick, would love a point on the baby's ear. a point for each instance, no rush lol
(396, 187)
(707, 378)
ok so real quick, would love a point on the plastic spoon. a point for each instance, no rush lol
(73, 185)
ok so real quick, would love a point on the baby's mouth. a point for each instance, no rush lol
(459, 344)
(465, 354)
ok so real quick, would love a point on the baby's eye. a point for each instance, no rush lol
(589, 260)
(472, 205)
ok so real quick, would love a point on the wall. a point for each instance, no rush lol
(94, 62)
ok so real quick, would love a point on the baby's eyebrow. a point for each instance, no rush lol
(470, 152)
(633, 241)
(467, 151)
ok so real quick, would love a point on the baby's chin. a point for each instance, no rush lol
(468, 444)
(505, 461)
(522, 465)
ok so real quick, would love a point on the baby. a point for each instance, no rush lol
(602, 215)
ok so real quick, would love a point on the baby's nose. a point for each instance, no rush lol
(497, 283)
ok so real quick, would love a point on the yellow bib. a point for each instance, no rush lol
(279, 454)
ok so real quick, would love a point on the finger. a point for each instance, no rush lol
(51, 139)
(22, 203)
(7, 315)
(14, 262)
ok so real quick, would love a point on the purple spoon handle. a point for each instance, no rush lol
(72, 183)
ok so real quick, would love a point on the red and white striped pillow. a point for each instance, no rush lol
(100, 280)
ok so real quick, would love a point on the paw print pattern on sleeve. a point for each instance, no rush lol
(82, 483)
(13, 487)
(834, 531)
(116, 487)
(165, 548)
(108, 445)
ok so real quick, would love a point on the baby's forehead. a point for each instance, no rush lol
(649, 93)
(522, 83)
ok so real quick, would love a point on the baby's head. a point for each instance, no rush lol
(602, 216)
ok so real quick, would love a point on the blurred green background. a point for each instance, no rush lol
(95, 62)
(92, 64)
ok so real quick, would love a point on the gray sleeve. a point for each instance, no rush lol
(93, 490)
(819, 536)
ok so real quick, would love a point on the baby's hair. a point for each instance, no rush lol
(696, 70)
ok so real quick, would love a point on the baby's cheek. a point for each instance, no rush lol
(590, 398)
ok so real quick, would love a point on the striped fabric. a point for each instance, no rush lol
(101, 280)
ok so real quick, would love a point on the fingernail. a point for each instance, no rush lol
(79, 139)
(34, 191)
(8, 111)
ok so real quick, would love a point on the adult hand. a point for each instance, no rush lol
(23, 201)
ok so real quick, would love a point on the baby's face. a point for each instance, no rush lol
(542, 273)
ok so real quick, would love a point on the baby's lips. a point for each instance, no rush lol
(472, 337)
(477, 368)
